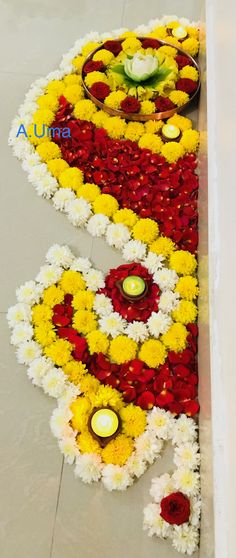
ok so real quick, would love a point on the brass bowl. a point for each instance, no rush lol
(135, 116)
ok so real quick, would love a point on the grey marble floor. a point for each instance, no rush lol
(45, 513)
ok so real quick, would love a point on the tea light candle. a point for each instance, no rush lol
(133, 285)
(104, 423)
(170, 132)
(179, 32)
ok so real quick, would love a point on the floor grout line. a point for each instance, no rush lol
(56, 510)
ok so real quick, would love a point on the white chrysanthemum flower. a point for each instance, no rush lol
(166, 279)
(46, 186)
(22, 148)
(27, 352)
(187, 455)
(69, 394)
(195, 511)
(153, 522)
(53, 382)
(49, 274)
(184, 430)
(29, 107)
(153, 262)
(37, 173)
(37, 370)
(60, 256)
(168, 301)
(134, 250)
(94, 280)
(19, 313)
(148, 446)
(102, 305)
(112, 325)
(115, 477)
(88, 467)
(56, 74)
(62, 197)
(117, 235)
(186, 480)
(81, 264)
(161, 487)
(29, 293)
(97, 225)
(30, 161)
(160, 421)
(158, 323)
(59, 422)
(21, 332)
(69, 449)
(137, 331)
(78, 211)
(185, 539)
(136, 466)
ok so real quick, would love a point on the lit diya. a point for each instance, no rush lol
(133, 287)
(179, 32)
(104, 425)
(169, 132)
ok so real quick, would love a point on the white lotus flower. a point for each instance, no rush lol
(141, 67)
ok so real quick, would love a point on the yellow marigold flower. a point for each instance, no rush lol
(118, 450)
(134, 131)
(72, 79)
(179, 98)
(83, 300)
(75, 371)
(174, 41)
(191, 45)
(153, 353)
(87, 444)
(48, 101)
(89, 385)
(127, 34)
(189, 72)
(189, 140)
(88, 191)
(43, 116)
(57, 166)
(55, 87)
(105, 204)
(33, 131)
(158, 32)
(41, 313)
(187, 287)
(84, 321)
(131, 45)
(104, 56)
(115, 127)
(152, 142)
(84, 109)
(147, 107)
(172, 151)
(44, 334)
(48, 150)
(145, 230)
(114, 99)
(173, 24)
(183, 262)
(122, 349)
(78, 62)
(181, 122)
(89, 47)
(185, 313)
(53, 295)
(97, 342)
(162, 245)
(193, 31)
(153, 126)
(99, 118)
(175, 338)
(74, 93)
(106, 396)
(133, 420)
(81, 409)
(168, 50)
(59, 351)
(94, 77)
(71, 178)
(126, 217)
(72, 281)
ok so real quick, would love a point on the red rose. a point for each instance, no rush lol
(93, 66)
(187, 85)
(100, 90)
(130, 104)
(183, 61)
(150, 43)
(175, 508)
(113, 46)
(163, 104)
